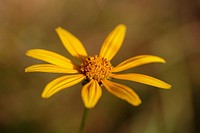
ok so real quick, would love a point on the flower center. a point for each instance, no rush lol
(96, 67)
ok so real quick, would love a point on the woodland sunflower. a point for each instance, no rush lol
(95, 71)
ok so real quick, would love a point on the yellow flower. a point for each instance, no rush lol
(94, 71)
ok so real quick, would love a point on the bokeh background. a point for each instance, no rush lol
(167, 28)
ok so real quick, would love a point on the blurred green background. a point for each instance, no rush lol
(167, 28)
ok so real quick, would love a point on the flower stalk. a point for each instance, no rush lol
(83, 121)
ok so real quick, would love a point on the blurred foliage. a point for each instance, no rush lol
(166, 28)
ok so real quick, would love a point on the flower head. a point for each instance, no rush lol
(94, 71)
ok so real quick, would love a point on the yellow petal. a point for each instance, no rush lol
(137, 61)
(71, 43)
(91, 93)
(113, 42)
(61, 83)
(50, 57)
(49, 68)
(122, 92)
(143, 79)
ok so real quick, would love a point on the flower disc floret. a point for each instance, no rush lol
(96, 67)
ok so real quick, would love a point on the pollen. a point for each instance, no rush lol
(97, 68)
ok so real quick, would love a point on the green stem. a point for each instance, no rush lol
(84, 117)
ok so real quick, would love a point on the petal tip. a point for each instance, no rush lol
(44, 95)
(27, 52)
(32, 51)
(123, 26)
(168, 86)
(87, 104)
(163, 61)
(165, 86)
(58, 28)
(138, 103)
(160, 59)
(26, 70)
